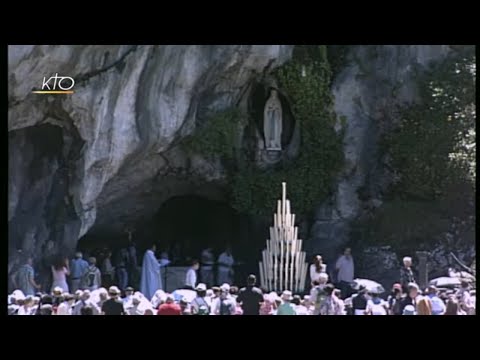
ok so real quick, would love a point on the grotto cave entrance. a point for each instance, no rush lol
(184, 226)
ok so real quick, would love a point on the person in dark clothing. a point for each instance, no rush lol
(86, 310)
(359, 302)
(394, 300)
(406, 274)
(250, 297)
(113, 306)
(411, 298)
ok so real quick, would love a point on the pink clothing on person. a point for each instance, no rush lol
(266, 308)
(238, 310)
(60, 278)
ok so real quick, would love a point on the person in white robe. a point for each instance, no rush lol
(191, 276)
(151, 280)
(225, 264)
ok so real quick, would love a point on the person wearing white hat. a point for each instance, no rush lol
(131, 308)
(169, 307)
(26, 307)
(330, 305)
(158, 298)
(65, 308)
(409, 310)
(199, 304)
(287, 308)
(308, 304)
(81, 303)
(224, 304)
(113, 306)
(317, 294)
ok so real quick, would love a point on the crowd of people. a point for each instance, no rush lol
(78, 288)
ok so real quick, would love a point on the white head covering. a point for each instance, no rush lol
(18, 295)
(407, 258)
(273, 296)
(157, 298)
(323, 276)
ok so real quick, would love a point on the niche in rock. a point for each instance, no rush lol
(259, 97)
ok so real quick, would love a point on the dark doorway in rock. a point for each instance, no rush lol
(191, 223)
(258, 98)
(186, 225)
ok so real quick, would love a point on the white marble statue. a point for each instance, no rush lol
(272, 120)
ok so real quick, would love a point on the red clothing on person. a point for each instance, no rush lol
(169, 309)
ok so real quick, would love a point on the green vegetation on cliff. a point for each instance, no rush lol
(433, 155)
(310, 176)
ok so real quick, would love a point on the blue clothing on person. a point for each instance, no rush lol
(78, 267)
(25, 275)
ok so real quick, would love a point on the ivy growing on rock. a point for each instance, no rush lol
(305, 80)
(219, 137)
(433, 155)
(310, 176)
(434, 146)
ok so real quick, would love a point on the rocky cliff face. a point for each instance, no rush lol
(376, 81)
(107, 154)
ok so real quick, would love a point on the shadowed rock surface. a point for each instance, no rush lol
(107, 156)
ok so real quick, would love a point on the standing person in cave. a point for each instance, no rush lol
(345, 271)
(60, 270)
(317, 268)
(78, 266)
(108, 271)
(206, 269)
(225, 264)
(24, 279)
(92, 278)
(121, 269)
(132, 263)
(406, 273)
(151, 280)
(191, 276)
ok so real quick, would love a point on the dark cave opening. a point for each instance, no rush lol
(258, 98)
(184, 226)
